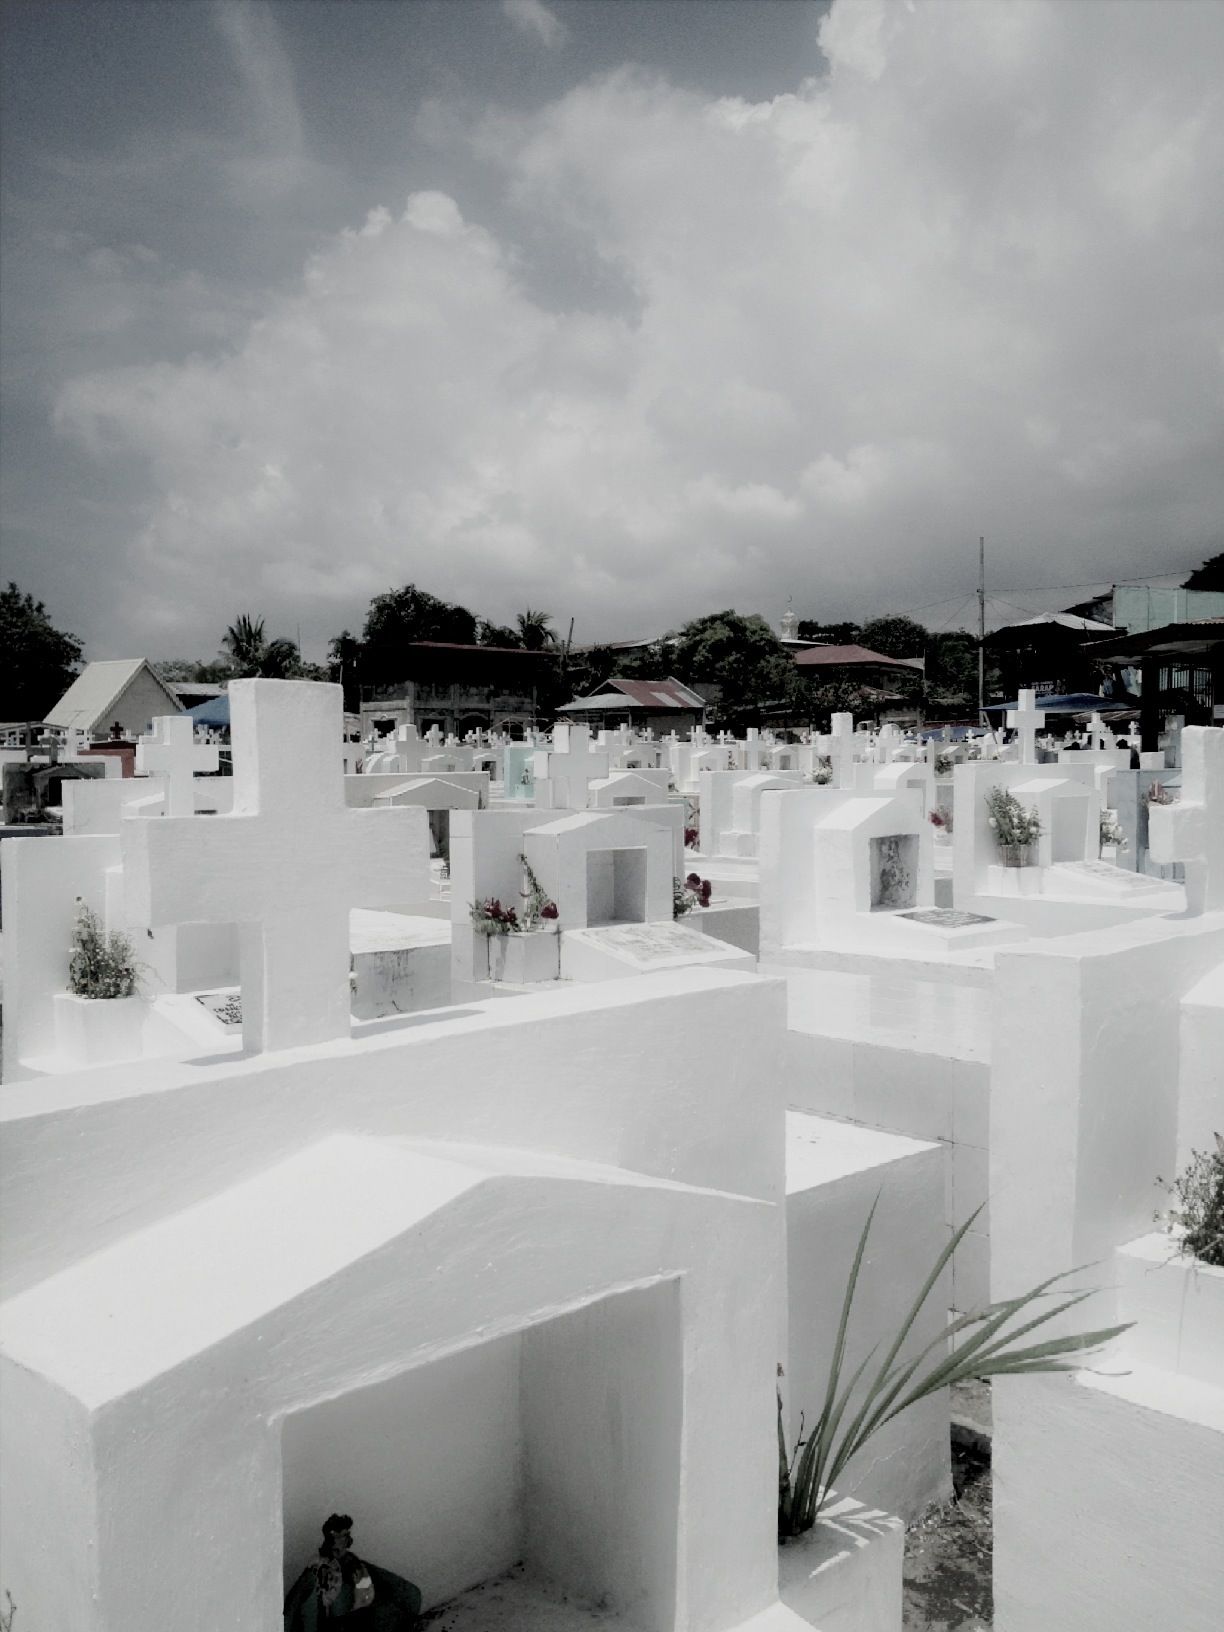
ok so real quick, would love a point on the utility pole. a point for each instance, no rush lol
(982, 631)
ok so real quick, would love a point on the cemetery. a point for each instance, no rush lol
(476, 1146)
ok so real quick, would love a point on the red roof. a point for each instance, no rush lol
(844, 657)
(658, 693)
(466, 646)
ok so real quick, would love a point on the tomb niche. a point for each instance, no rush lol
(545, 1461)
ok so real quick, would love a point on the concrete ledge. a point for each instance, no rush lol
(845, 1574)
(1177, 1305)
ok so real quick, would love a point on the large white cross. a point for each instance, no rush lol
(564, 771)
(841, 750)
(752, 755)
(1026, 719)
(170, 750)
(286, 866)
(1192, 830)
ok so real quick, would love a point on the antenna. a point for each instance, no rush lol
(981, 630)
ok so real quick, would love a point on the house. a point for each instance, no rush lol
(664, 705)
(121, 692)
(458, 689)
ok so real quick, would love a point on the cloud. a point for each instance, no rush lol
(534, 17)
(966, 281)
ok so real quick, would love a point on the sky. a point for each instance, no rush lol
(628, 310)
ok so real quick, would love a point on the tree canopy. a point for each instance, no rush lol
(399, 617)
(742, 656)
(38, 662)
(1209, 576)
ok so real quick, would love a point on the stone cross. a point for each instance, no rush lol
(1192, 830)
(1026, 719)
(286, 866)
(1099, 734)
(170, 750)
(841, 750)
(434, 736)
(564, 771)
(751, 755)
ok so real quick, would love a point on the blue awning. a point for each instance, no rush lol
(214, 711)
(1072, 702)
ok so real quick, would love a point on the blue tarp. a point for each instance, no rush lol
(214, 712)
(1073, 702)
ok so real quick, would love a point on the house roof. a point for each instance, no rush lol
(92, 696)
(1191, 639)
(844, 657)
(644, 695)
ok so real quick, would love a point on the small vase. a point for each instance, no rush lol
(1015, 855)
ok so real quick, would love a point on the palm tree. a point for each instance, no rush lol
(244, 645)
(534, 630)
(279, 660)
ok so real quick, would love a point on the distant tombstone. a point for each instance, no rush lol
(287, 866)
(170, 750)
(1192, 830)
(1026, 719)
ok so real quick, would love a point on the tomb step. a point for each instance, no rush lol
(1116, 1484)
(844, 1575)
(1177, 1306)
(925, 1016)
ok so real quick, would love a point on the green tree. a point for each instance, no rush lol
(895, 637)
(1209, 576)
(535, 630)
(398, 618)
(743, 657)
(496, 634)
(832, 634)
(243, 644)
(37, 661)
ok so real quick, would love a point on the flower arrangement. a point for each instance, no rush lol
(1158, 794)
(944, 764)
(538, 906)
(491, 918)
(692, 837)
(693, 892)
(101, 965)
(1111, 830)
(1014, 827)
(941, 819)
(821, 773)
(1198, 1216)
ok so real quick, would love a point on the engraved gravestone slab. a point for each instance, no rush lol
(649, 943)
(948, 918)
(894, 871)
(1105, 877)
(223, 1006)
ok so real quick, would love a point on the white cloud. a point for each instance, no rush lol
(534, 17)
(968, 282)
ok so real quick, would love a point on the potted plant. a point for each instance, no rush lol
(99, 1018)
(1016, 830)
(522, 945)
(1111, 831)
(1196, 1217)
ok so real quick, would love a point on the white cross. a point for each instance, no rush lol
(434, 736)
(286, 866)
(1192, 830)
(841, 750)
(752, 754)
(1099, 734)
(563, 772)
(170, 750)
(1026, 719)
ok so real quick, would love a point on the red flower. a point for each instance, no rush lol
(549, 911)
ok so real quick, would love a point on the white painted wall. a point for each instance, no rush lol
(835, 1172)
(606, 1383)
(429, 1466)
(1106, 1510)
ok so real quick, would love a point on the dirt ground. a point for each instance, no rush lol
(948, 1553)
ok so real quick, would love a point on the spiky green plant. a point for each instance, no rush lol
(807, 1478)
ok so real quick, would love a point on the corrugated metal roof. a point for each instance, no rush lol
(96, 690)
(833, 657)
(667, 693)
